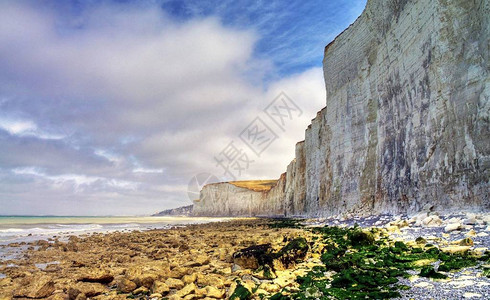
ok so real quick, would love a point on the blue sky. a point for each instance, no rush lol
(292, 33)
(111, 107)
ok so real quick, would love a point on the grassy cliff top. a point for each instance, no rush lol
(255, 185)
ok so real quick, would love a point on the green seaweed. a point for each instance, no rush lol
(241, 292)
(297, 244)
(369, 268)
(429, 272)
(285, 223)
(456, 262)
(279, 296)
(486, 272)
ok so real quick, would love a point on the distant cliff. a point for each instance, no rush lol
(242, 198)
(179, 211)
(406, 122)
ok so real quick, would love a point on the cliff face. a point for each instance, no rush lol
(407, 120)
(239, 199)
(179, 211)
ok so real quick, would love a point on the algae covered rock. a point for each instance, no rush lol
(429, 272)
(240, 292)
(361, 238)
(466, 242)
(295, 250)
(253, 257)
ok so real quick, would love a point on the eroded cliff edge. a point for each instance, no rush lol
(406, 123)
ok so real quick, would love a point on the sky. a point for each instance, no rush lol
(116, 107)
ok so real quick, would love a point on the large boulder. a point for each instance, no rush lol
(253, 257)
(96, 275)
(36, 287)
(294, 251)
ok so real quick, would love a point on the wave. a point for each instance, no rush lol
(8, 230)
(48, 229)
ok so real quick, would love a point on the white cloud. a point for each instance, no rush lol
(146, 170)
(17, 127)
(77, 180)
(26, 128)
(144, 103)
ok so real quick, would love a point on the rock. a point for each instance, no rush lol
(466, 242)
(452, 227)
(73, 293)
(96, 275)
(189, 278)
(160, 287)
(456, 249)
(200, 292)
(402, 224)
(235, 268)
(145, 280)
(37, 287)
(211, 280)
(471, 233)
(140, 290)
(424, 284)
(432, 221)
(284, 281)
(471, 295)
(188, 289)
(214, 292)
(58, 296)
(295, 250)
(453, 220)
(201, 260)
(89, 289)
(125, 285)
(470, 219)
(253, 257)
(270, 287)
(178, 272)
(174, 283)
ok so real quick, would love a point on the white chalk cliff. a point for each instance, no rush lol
(406, 122)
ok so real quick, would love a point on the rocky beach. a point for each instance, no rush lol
(387, 196)
(262, 259)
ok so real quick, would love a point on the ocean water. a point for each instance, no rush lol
(18, 229)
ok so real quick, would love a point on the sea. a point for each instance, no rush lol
(24, 229)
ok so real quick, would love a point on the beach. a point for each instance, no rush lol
(251, 259)
(25, 229)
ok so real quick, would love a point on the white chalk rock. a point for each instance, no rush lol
(432, 221)
(452, 227)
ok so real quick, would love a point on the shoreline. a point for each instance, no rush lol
(30, 228)
(198, 261)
